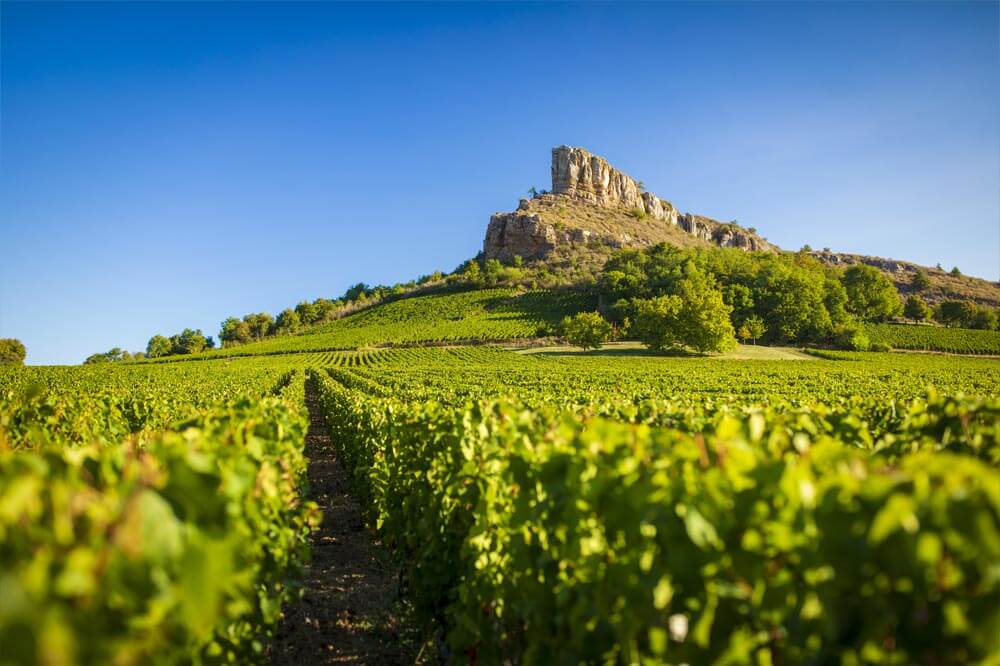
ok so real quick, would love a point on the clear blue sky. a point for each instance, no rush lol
(168, 165)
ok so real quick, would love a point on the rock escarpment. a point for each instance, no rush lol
(592, 202)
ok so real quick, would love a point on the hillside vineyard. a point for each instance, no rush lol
(542, 507)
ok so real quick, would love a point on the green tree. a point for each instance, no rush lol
(791, 301)
(740, 299)
(260, 324)
(307, 312)
(654, 321)
(752, 328)
(920, 281)
(189, 341)
(954, 271)
(954, 313)
(355, 292)
(916, 309)
(288, 322)
(871, 296)
(983, 318)
(12, 351)
(112, 355)
(234, 332)
(324, 309)
(158, 346)
(587, 330)
(704, 316)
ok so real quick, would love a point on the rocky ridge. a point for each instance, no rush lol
(588, 187)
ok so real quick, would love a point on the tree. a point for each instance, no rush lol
(696, 316)
(752, 329)
(916, 309)
(158, 346)
(654, 321)
(234, 332)
(792, 302)
(260, 324)
(307, 312)
(740, 299)
(871, 296)
(954, 271)
(983, 318)
(704, 317)
(954, 313)
(189, 341)
(920, 281)
(112, 355)
(12, 351)
(288, 322)
(324, 309)
(355, 292)
(587, 330)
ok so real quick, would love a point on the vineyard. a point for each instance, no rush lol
(490, 314)
(542, 508)
(935, 338)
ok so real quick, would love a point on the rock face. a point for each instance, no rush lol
(579, 174)
(580, 177)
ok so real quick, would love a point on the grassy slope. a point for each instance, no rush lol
(490, 314)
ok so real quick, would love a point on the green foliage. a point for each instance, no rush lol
(965, 314)
(920, 282)
(752, 328)
(112, 355)
(490, 314)
(871, 296)
(657, 531)
(655, 320)
(587, 330)
(703, 320)
(917, 309)
(935, 338)
(288, 322)
(178, 546)
(235, 332)
(797, 297)
(189, 341)
(12, 351)
(158, 346)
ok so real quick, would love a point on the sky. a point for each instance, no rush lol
(165, 166)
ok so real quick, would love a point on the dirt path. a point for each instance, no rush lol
(350, 613)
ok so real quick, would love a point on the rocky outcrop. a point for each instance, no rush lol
(578, 173)
(524, 235)
(723, 234)
(580, 177)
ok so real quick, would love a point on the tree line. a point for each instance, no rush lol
(666, 296)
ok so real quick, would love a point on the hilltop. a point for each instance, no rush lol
(594, 208)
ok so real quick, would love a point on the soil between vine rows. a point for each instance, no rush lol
(351, 611)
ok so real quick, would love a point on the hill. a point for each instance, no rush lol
(446, 318)
(593, 208)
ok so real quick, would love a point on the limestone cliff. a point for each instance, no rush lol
(593, 202)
